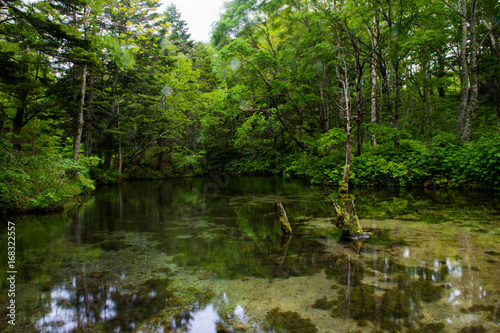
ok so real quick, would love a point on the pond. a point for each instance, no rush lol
(208, 255)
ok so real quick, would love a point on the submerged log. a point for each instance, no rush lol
(348, 223)
(285, 225)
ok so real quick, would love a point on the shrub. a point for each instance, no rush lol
(40, 182)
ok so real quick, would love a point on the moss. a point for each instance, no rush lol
(114, 245)
(344, 188)
(490, 309)
(346, 271)
(386, 311)
(157, 283)
(322, 303)
(204, 297)
(473, 329)
(220, 327)
(360, 305)
(98, 275)
(285, 226)
(174, 302)
(479, 230)
(426, 290)
(427, 328)
(347, 223)
(362, 322)
(290, 322)
(492, 253)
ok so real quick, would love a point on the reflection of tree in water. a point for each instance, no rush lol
(91, 303)
(392, 299)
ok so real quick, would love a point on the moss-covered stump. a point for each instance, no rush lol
(348, 224)
(285, 225)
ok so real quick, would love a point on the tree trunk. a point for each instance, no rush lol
(348, 223)
(359, 97)
(115, 109)
(88, 117)
(425, 98)
(473, 73)
(120, 157)
(464, 72)
(18, 122)
(344, 188)
(340, 75)
(359, 106)
(397, 102)
(327, 101)
(494, 32)
(386, 92)
(284, 223)
(79, 116)
(373, 98)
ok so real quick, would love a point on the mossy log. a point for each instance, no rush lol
(285, 225)
(348, 223)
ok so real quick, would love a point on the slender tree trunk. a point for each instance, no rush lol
(441, 74)
(426, 100)
(19, 118)
(373, 98)
(345, 91)
(464, 72)
(79, 116)
(327, 99)
(342, 115)
(496, 78)
(359, 106)
(397, 102)
(88, 117)
(323, 91)
(120, 156)
(116, 110)
(473, 73)
(359, 97)
(497, 100)
(386, 93)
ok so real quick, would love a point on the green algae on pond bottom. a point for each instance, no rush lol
(287, 322)
(389, 308)
(493, 312)
(322, 303)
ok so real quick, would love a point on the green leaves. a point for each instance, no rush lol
(40, 182)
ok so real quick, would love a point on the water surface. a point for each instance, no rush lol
(207, 255)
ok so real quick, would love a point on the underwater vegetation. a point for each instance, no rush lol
(393, 307)
(289, 321)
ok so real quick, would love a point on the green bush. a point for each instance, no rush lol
(40, 182)
(443, 163)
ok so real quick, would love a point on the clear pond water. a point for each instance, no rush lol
(208, 255)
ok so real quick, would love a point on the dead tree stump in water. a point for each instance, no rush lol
(348, 223)
(285, 225)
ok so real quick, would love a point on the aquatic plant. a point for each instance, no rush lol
(290, 322)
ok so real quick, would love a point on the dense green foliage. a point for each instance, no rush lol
(106, 89)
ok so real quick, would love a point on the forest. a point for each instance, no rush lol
(347, 93)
